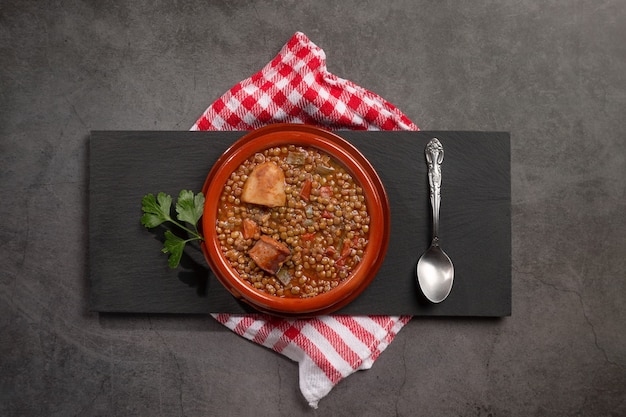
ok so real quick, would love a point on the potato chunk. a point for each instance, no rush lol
(269, 254)
(265, 186)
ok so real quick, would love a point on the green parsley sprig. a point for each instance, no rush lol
(158, 210)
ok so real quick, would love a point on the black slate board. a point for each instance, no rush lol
(129, 274)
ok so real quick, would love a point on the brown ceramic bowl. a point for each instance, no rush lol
(360, 169)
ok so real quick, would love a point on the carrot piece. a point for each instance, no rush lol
(250, 228)
(347, 246)
(305, 192)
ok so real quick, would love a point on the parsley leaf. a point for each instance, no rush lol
(189, 209)
(173, 245)
(155, 212)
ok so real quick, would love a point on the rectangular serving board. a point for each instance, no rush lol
(129, 274)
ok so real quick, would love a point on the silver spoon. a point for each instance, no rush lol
(435, 271)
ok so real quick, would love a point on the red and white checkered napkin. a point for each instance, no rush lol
(295, 87)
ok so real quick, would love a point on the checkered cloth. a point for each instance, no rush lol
(295, 87)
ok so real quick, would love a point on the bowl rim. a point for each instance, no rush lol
(350, 157)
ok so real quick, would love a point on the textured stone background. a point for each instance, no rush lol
(553, 73)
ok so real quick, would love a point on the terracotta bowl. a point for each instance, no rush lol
(354, 162)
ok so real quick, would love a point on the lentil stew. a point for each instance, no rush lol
(322, 228)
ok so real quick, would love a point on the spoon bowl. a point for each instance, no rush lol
(435, 273)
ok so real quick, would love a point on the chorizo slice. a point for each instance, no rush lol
(269, 254)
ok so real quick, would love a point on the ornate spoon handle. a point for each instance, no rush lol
(434, 157)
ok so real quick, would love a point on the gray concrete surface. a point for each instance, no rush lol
(553, 73)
